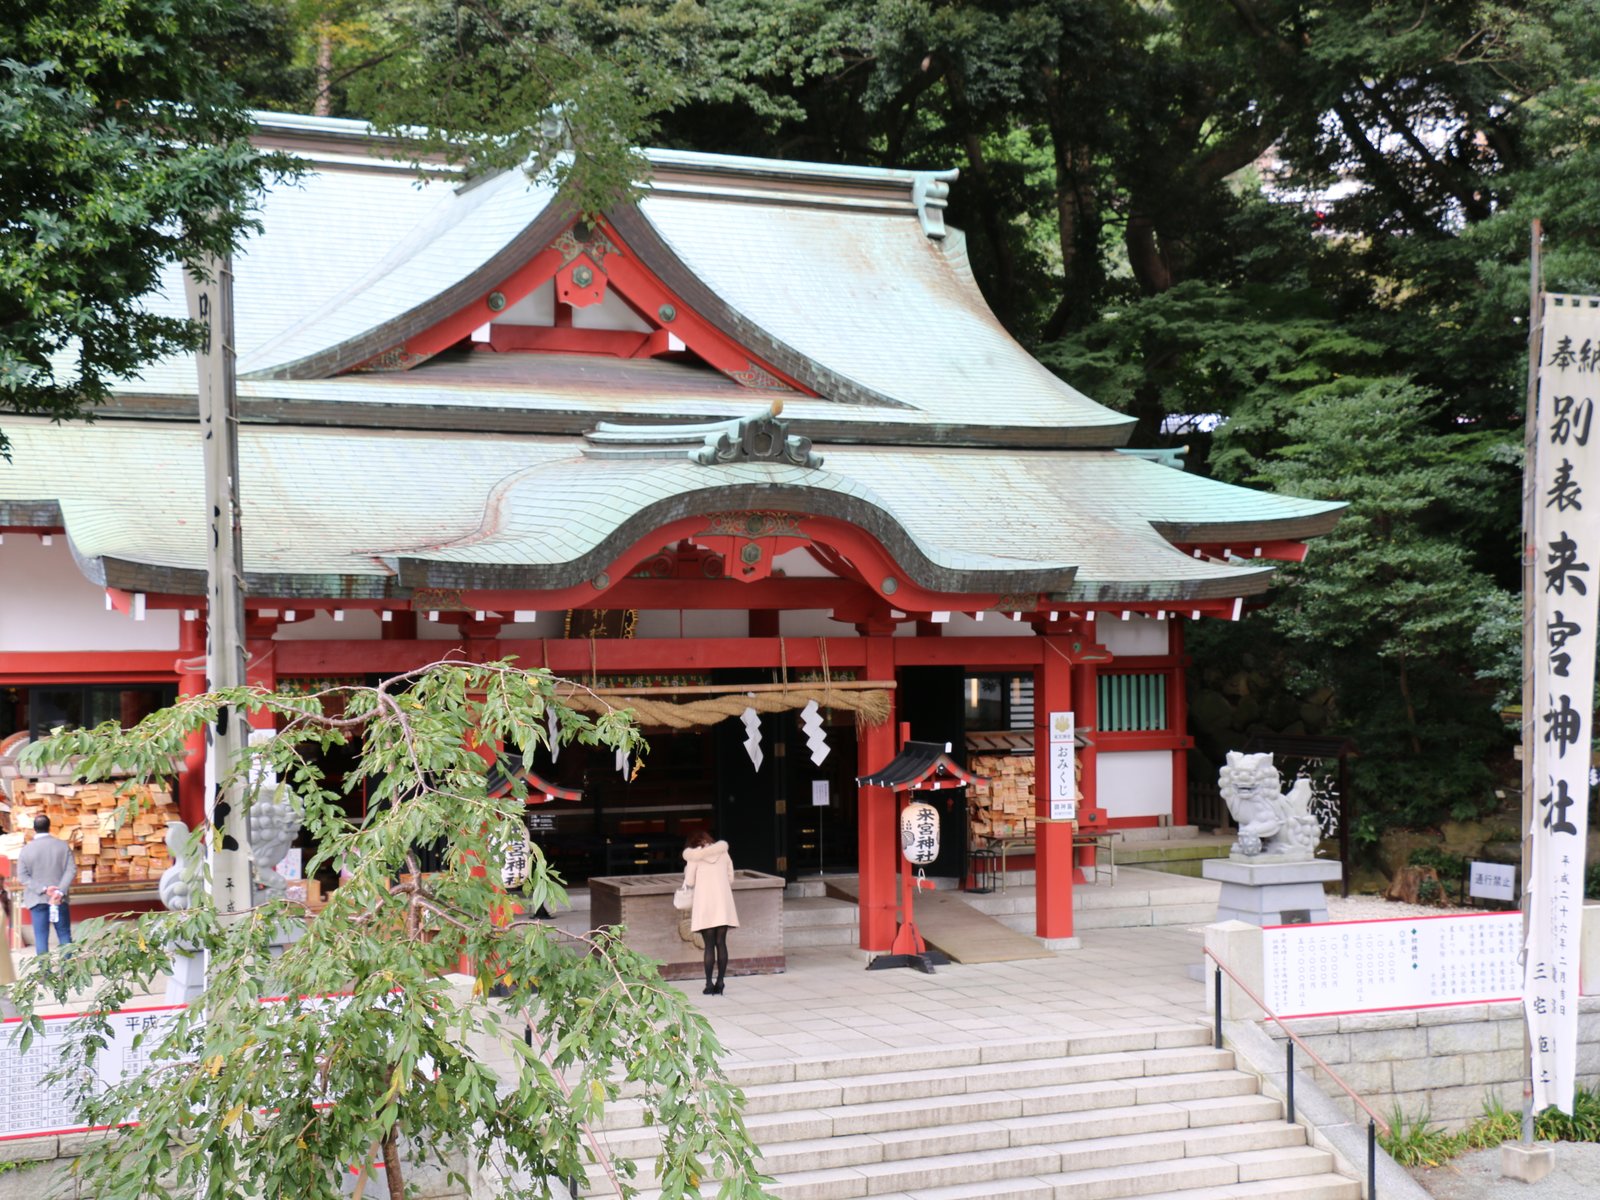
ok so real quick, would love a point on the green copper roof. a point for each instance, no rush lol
(355, 513)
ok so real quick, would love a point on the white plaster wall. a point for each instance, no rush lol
(436, 631)
(657, 623)
(716, 623)
(992, 625)
(1138, 635)
(1134, 783)
(359, 624)
(47, 604)
(812, 622)
(798, 564)
(544, 625)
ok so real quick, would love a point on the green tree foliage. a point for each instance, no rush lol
(1390, 608)
(369, 1045)
(124, 147)
(567, 90)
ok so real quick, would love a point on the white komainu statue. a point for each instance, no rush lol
(176, 885)
(273, 821)
(1270, 822)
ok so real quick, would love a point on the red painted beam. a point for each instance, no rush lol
(106, 664)
(572, 657)
(1277, 551)
(975, 652)
(1157, 739)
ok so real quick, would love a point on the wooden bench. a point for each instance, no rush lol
(1029, 845)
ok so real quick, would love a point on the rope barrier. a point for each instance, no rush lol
(871, 708)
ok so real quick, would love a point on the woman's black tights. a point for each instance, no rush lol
(716, 939)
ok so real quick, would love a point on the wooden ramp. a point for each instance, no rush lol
(950, 925)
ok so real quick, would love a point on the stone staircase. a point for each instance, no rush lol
(1154, 1113)
(1136, 898)
(813, 918)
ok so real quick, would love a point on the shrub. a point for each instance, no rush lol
(1449, 866)
(1417, 1142)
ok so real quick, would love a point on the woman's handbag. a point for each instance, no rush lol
(683, 898)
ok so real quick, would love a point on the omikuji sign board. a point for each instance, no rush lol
(1063, 767)
(1565, 540)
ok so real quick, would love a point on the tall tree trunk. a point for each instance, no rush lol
(324, 103)
(988, 208)
(1411, 709)
(391, 1164)
(1149, 263)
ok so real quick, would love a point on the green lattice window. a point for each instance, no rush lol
(1133, 702)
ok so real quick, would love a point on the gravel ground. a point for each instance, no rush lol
(1476, 1176)
(1375, 908)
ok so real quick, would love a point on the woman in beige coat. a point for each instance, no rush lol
(709, 871)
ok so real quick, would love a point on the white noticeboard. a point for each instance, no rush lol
(1063, 767)
(1376, 966)
(29, 1106)
(1493, 881)
(819, 793)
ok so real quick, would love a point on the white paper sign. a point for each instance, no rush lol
(290, 867)
(1063, 767)
(29, 1106)
(1061, 728)
(1565, 478)
(1375, 966)
(819, 793)
(1492, 881)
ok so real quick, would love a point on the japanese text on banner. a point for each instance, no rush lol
(1566, 539)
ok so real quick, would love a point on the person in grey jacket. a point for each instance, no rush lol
(46, 867)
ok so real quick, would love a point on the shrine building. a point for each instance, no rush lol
(757, 437)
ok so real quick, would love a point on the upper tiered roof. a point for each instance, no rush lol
(421, 357)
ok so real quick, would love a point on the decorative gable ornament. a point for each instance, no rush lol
(761, 438)
(756, 439)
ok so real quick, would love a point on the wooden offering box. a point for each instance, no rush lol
(643, 903)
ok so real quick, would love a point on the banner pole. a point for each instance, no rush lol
(1530, 557)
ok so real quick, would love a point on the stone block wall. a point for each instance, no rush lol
(1442, 1062)
(43, 1171)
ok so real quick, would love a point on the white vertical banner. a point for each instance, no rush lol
(1565, 539)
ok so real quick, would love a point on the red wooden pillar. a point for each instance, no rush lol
(878, 847)
(192, 682)
(1052, 692)
(483, 639)
(1178, 721)
(261, 663)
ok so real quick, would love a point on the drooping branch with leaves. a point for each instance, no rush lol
(369, 1032)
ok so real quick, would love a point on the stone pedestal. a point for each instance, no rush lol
(1271, 892)
(643, 903)
(1527, 1163)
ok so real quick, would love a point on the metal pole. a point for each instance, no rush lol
(1530, 563)
(1372, 1159)
(211, 303)
(1288, 1046)
(1218, 989)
